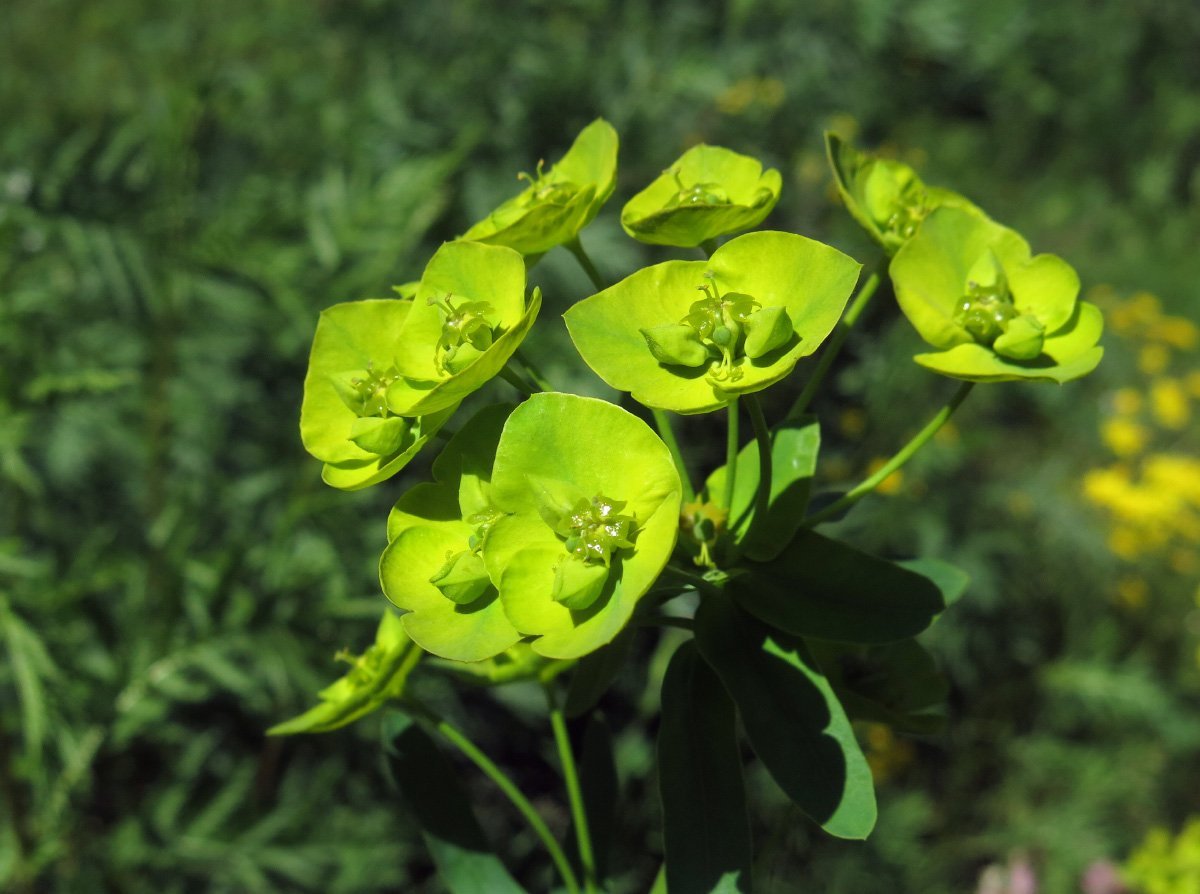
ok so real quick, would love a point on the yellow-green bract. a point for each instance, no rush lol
(708, 192)
(972, 289)
(658, 333)
(885, 196)
(493, 554)
(560, 202)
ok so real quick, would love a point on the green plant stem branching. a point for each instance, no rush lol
(903, 455)
(472, 752)
(701, 584)
(834, 344)
(514, 378)
(663, 422)
(762, 435)
(576, 248)
(583, 836)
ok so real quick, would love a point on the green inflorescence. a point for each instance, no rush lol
(366, 393)
(696, 194)
(986, 310)
(544, 189)
(465, 325)
(594, 529)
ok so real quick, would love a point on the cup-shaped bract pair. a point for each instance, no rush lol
(885, 197)
(385, 374)
(557, 539)
(708, 192)
(996, 312)
(560, 202)
(690, 336)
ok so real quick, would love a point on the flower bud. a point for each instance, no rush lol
(676, 344)
(463, 578)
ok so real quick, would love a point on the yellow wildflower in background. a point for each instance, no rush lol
(1169, 403)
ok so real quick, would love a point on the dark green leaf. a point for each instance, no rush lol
(595, 673)
(949, 579)
(898, 684)
(705, 826)
(599, 785)
(794, 722)
(823, 588)
(429, 783)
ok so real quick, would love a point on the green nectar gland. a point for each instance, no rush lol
(542, 189)
(594, 529)
(696, 194)
(466, 333)
(987, 307)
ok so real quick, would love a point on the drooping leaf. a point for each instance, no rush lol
(824, 588)
(793, 720)
(429, 783)
(706, 830)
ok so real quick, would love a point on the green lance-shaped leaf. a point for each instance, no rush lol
(579, 481)
(823, 588)
(950, 580)
(376, 676)
(469, 315)
(794, 722)
(706, 830)
(898, 684)
(973, 290)
(466, 863)
(558, 203)
(740, 299)
(794, 447)
(344, 420)
(708, 192)
(884, 196)
(599, 787)
(434, 567)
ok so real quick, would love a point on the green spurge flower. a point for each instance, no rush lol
(972, 288)
(689, 336)
(377, 675)
(560, 202)
(345, 419)
(433, 566)
(708, 192)
(468, 317)
(886, 197)
(591, 503)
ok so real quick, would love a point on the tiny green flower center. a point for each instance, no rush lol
(719, 321)
(543, 189)
(696, 194)
(594, 529)
(466, 333)
(985, 311)
(368, 391)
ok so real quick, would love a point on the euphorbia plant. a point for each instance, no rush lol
(558, 528)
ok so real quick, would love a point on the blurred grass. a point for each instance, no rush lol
(183, 188)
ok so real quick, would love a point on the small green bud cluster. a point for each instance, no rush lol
(465, 326)
(464, 578)
(725, 327)
(704, 523)
(896, 200)
(366, 392)
(990, 317)
(696, 194)
(595, 528)
(543, 189)
(364, 668)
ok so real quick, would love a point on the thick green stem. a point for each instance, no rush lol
(514, 794)
(899, 459)
(583, 836)
(731, 453)
(692, 580)
(508, 374)
(663, 422)
(834, 344)
(762, 435)
(576, 248)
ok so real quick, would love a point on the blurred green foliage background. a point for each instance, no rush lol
(184, 186)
